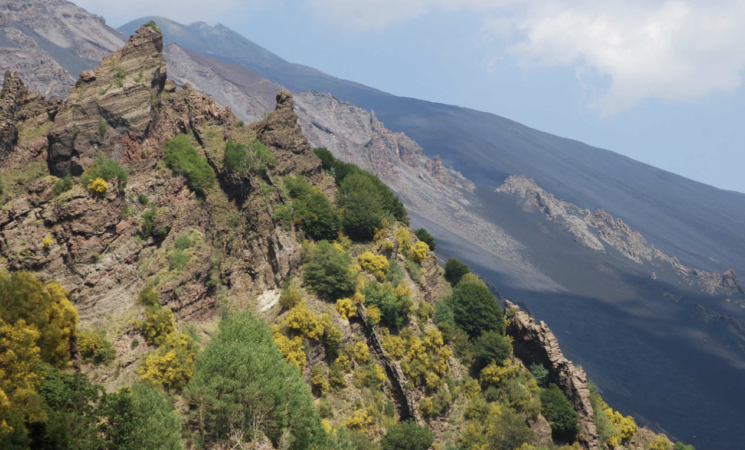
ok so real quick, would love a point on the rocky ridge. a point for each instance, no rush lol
(598, 229)
(536, 344)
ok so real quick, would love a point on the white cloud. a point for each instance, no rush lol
(670, 50)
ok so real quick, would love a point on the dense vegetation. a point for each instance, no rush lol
(182, 157)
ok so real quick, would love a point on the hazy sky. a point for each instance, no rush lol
(659, 81)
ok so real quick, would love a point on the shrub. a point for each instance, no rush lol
(63, 185)
(318, 382)
(327, 271)
(291, 349)
(143, 199)
(346, 308)
(403, 236)
(182, 158)
(98, 186)
(415, 272)
(373, 314)
(475, 309)
(325, 409)
(102, 126)
(327, 159)
(290, 297)
(158, 324)
(395, 272)
(407, 436)
(507, 431)
(490, 347)
(106, 169)
(240, 159)
(172, 365)
(660, 442)
(361, 353)
(318, 216)
(336, 377)
(305, 322)
(420, 251)
(241, 384)
(94, 347)
(455, 270)
(424, 236)
(375, 264)
(154, 26)
(344, 363)
(393, 310)
(681, 446)
(298, 187)
(178, 260)
(362, 206)
(147, 224)
(183, 242)
(560, 413)
(426, 407)
(46, 243)
(540, 374)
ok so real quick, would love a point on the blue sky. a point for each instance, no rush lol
(659, 81)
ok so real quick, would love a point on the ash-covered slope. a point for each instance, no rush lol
(699, 224)
(49, 42)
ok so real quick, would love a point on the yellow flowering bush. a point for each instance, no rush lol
(381, 232)
(403, 236)
(318, 381)
(394, 345)
(46, 243)
(494, 374)
(291, 349)
(472, 388)
(373, 313)
(375, 264)
(344, 363)
(660, 442)
(346, 308)
(379, 374)
(432, 381)
(388, 246)
(158, 324)
(305, 322)
(426, 407)
(360, 420)
(419, 251)
(98, 186)
(403, 290)
(361, 353)
(172, 366)
(290, 297)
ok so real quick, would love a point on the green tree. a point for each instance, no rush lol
(560, 413)
(327, 271)
(423, 235)
(362, 206)
(540, 374)
(455, 270)
(475, 309)
(327, 159)
(320, 218)
(242, 386)
(490, 346)
(393, 310)
(407, 436)
(181, 157)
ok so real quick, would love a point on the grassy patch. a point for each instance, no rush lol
(16, 181)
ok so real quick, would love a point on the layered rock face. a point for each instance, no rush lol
(49, 42)
(598, 229)
(126, 110)
(536, 344)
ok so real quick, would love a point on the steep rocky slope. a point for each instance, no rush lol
(49, 42)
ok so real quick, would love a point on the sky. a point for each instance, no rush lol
(658, 81)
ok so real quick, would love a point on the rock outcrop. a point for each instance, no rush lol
(126, 110)
(536, 344)
(598, 229)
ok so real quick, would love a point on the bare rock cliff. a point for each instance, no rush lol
(535, 343)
